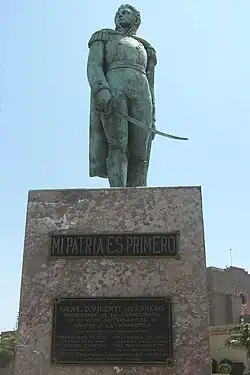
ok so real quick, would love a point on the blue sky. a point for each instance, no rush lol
(202, 91)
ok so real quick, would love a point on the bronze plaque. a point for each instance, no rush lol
(114, 245)
(112, 331)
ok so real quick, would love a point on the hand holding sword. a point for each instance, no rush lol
(106, 104)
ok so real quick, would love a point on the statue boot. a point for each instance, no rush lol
(117, 164)
(137, 174)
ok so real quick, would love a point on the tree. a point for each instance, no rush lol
(7, 349)
(240, 338)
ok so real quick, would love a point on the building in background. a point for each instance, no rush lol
(228, 295)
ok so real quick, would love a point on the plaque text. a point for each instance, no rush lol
(112, 330)
(114, 245)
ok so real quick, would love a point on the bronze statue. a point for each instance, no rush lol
(121, 69)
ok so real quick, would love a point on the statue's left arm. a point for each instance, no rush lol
(152, 61)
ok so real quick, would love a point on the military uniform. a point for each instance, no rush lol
(120, 150)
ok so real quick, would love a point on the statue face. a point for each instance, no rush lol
(125, 17)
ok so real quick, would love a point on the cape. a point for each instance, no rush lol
(98, 148)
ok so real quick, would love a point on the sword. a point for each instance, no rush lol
(145, 127)
(149, 130)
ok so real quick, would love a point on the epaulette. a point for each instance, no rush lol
(99, 36)
(152, 54)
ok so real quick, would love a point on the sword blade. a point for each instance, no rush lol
(150, 130)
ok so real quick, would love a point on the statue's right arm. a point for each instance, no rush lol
(95, 72)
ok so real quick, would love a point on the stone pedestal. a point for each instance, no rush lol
(138, 210)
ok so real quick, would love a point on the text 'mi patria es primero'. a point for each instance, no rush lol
(113, 245)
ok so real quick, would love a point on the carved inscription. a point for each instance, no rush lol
(114, 245)
(112, 330)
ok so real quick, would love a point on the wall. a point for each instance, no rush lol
(224, 287)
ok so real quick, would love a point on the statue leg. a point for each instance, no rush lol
(139, 143)
(116, 132)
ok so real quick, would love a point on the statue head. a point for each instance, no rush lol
(127, 19)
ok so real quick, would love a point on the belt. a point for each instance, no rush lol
(124, 64)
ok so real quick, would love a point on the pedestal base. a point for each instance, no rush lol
(133, 210)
